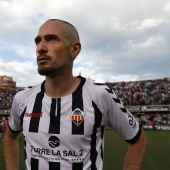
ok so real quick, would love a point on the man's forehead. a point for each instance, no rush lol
(52, 24)
(51, 27)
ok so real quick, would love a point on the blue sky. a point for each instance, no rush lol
(121, 40)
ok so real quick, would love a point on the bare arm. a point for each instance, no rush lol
(11, 150)
(136, 154)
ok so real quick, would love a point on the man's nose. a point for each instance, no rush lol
(42, 47)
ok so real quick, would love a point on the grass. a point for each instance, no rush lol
(21, 143)
(115, 150)
(157, 155)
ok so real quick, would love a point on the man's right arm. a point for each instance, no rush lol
(11, 150)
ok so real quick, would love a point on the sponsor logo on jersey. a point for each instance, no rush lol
(55, 153)
(33, 114)
(77, 116)
(53, 141)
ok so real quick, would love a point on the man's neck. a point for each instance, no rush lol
(58, 87)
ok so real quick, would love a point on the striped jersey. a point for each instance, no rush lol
(68, 133)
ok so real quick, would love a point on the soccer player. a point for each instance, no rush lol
(63, 118)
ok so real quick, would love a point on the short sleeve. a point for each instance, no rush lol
(117, 117)
(14, 122)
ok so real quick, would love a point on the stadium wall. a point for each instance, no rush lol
(149, 108)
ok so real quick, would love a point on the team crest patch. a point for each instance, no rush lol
(77, 116)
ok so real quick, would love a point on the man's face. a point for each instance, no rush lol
(53, 49)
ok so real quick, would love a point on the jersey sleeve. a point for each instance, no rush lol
(118, 117)
(14, 122)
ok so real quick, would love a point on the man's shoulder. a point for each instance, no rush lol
(92, 85)
(28, 91)
(96, 90)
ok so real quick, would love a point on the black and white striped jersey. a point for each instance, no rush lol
(68, 133)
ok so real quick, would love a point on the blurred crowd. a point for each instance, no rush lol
(6, 98)
(147, 92)
(153, 118)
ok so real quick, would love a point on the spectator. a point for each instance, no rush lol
(4, 125)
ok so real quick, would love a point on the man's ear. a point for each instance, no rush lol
(75, 50)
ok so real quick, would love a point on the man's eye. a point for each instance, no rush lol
(37, 41)
(51, 39)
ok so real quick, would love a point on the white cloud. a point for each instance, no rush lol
(121, 40)
(151, 23)
(25, 52)
(150, 42)
(24, 73)
(167, 7)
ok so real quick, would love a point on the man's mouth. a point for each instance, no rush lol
(42, 60)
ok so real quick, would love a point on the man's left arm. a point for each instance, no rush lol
(135, 155)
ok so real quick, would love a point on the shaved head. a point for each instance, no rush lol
(70, 31)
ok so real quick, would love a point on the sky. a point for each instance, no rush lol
(124, 40)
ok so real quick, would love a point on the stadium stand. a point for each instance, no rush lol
(146, 92)
(6, 98)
